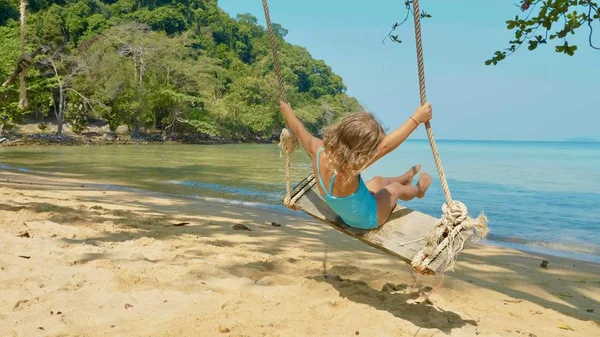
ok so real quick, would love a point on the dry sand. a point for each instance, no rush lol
(77, 260)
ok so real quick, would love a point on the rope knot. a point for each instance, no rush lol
(448, 233)
(454, 214)
(288, 141)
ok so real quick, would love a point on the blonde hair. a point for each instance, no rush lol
(352, 142)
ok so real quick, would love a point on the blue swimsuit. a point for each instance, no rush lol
(358, 210)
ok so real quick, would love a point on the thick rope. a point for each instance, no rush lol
(23, 104)
(447, 231)
(287, 140)
(421, 68)
(282, 95)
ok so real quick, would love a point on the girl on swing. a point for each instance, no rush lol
(348, 147)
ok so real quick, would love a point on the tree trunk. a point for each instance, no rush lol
(135, 130)
(60, 116)
(59, 130)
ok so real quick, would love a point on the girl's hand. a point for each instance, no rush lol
(285, 107)
(423, 114)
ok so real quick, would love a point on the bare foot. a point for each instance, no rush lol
(423, 184)
(410, 174)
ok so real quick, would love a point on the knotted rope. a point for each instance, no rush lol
(448, 230)
(287, 140)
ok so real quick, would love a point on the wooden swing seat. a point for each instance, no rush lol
(403, 235)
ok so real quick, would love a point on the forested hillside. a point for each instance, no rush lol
(175, 67)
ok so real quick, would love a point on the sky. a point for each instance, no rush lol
(539, 95)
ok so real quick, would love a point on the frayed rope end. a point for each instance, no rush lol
(448, 233)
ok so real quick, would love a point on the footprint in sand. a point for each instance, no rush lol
(220, 243)
(206, 272)
(139, 257)
(337, 304)
(266, 281)
(144, 241)
(126, 280)
(20, 305)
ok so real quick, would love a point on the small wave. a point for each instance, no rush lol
(234, 191)
(254, 204)
(19, 169)
(216, 187)
(556, 246)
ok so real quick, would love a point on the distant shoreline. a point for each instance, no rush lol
(568, 141)
(30, 135)
(45, 139)
(106, 139)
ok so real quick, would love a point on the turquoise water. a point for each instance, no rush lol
(538, 196)
(541, 197)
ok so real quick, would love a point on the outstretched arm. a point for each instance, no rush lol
(391, 141)
(308, 141)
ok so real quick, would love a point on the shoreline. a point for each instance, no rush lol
(41, 140)
(99, 136)
(501, 242)
(116, 262)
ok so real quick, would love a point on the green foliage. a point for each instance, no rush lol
(8, 10)
(550, 20)
(545, 20)
(184, 66)
(76, 114)
(37, 91)
(52, 28)
(168, 19)
(9, 44)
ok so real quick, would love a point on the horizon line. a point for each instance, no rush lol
(572, 140)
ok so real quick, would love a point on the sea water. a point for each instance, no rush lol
(538, 196)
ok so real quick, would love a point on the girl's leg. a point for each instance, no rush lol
(377, 183)
(388, 197)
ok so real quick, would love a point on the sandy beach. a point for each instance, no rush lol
(80, 260)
